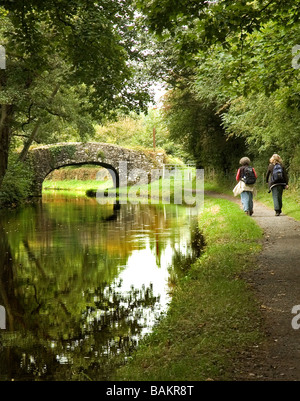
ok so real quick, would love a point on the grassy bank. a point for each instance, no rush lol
(212, 316)
(74, 185)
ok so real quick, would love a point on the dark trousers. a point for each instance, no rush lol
(277, 197)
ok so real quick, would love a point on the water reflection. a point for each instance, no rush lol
(81, 284)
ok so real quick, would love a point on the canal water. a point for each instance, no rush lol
(82, 284)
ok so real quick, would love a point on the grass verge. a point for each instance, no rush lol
(213, 316)
(74, 185)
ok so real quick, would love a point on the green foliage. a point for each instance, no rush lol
(227, 63)
(295, 164)
(137, 131)
(68, 65)
(16, 186)
(267, 125)
(197, 126)
(68, 119)
(101, 155)
(211, 22)
(236, 56)
(257, 90)
(68, 150)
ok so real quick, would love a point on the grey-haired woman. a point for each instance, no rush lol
(248, 186)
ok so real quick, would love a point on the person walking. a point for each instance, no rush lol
(246, 176)
(277, 180)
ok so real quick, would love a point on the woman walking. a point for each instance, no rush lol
(277, 179)
(246, 176)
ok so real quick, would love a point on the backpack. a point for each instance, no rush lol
(248, 176)
(277, 174)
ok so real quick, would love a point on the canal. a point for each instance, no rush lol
(81, 284)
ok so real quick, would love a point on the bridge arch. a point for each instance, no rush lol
(111, 169)
(44, 159)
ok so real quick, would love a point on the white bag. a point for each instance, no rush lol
(239, 188)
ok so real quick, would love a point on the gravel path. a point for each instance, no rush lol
(276, 285)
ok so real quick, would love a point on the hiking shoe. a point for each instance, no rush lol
(277, 214)
(251, 212)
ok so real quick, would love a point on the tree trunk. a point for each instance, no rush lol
(5, 136)
(29, 141)
(36, 128)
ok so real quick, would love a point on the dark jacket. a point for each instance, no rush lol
(269, 177)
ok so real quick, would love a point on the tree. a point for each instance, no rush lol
(261, 90)
(198, 126)
(216, 21)
(239, 58)
(52, 47)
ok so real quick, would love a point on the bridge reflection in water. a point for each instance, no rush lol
(83, 283)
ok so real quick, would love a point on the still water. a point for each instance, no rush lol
(82, 283)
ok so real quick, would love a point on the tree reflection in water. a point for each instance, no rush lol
(68, 316)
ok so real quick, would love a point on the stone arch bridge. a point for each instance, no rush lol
(121, 161)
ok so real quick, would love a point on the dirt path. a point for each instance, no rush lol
(276, 284)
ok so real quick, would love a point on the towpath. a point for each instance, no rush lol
(276, 285)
